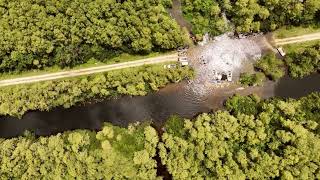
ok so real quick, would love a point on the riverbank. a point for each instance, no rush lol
(138, 81)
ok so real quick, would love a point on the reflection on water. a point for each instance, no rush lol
(296, 88)
(156, 107)
(174, 99)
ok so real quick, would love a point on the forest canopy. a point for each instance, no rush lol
(305, 62)
(249, 15)
(41, 33)
(112, 153)
(253, 139)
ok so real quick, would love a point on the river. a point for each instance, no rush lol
(173, 99)
(187, 99)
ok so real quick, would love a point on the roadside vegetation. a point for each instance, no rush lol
(137, 81)
(251, 139)
(303, 61)
(92, 62)
(249, 16)
(39, 34)
(112, 153)
(292, 31)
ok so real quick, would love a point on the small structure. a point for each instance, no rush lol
(183, 61)
(169, 66)
(219, 77)
(281, 51)
(229, 76)
(182, 53)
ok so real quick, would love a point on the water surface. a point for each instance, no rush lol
(174, 99)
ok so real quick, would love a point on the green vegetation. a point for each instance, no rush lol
(248, 105)
(272, 139)
(299, 47)
(205, 16)
(120, 58)
(292, 31)
(166, 3)
(138, 81)
(254, 79)
(249, 15)
(301, 60)
(251, 139)
(271, 66)
(36, 34)
(112, 153)
(304, 62)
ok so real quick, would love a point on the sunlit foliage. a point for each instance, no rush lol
(138, 81)
(40, 33)
(277, 140)
(112, 153)
(304, 63)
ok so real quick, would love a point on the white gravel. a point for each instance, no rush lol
(222, 55)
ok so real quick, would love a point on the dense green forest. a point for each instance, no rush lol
(304, 62)
(251, 139)
(42, 33)
(112, 153)
(138, 81)
(249, 15)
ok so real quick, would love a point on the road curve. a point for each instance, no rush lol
(297, 39)
(87, 71)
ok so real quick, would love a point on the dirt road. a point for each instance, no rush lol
(297, 39)
(87, 71)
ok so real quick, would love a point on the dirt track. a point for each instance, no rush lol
(87, 71)
(297, 39)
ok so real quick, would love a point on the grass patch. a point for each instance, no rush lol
(124, 57)
(292, 31)
(299, 47)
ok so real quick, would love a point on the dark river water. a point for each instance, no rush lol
(171, 100)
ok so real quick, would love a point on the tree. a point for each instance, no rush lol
(67, 33)
(252, 79)
(82, 154)
(271, 66)
(304, 63)
(277, 141)
(17, 100)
